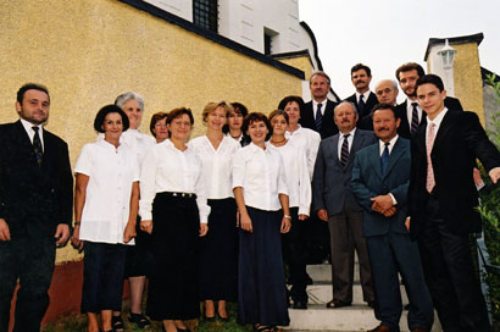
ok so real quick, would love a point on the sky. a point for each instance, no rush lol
(386, 33)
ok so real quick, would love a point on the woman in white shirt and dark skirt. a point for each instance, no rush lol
(219, 249)
(174, 210)
(106, 204)
(299, 190)
(260, 190)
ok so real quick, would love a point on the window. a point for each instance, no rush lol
(270, 37)
(206, 14)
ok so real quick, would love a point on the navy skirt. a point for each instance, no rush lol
(219, 253)
(261, 280)
(173, 282)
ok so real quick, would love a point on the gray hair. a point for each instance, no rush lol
(125, 97)
(346, 102)
(393, 83)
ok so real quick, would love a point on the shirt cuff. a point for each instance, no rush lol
(394, 202)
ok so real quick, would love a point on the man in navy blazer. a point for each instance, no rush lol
(36, 187)
(410, 112)
(443, 205)
(318, 113)
(380, 180)
(363, 98)
(335, 204)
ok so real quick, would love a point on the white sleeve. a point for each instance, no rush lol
(282, 184)
(312, 151)
(201, 194)
(304, 185)
(238, 169)
(148, 184)
(84, 162)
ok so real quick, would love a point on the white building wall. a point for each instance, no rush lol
(436, 67)
(181, 8)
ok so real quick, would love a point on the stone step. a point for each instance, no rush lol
(322, 294)
(353, 318)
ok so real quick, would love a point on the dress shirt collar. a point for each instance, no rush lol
(255, 147)
(291, 133)
(351, 133)
(108, 145)
(392, 142)
(323, 104)
(438, 119)
(28, 127)
(365, 96)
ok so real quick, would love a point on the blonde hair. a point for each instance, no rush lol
(212, 106)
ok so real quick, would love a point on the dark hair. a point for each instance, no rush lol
(257, 117)
(238, 108)
(30, 86)
(103, 112)
(277, 113)
(431, 79)
(177, 112)
(154, 119)
(360, 66)
(409, 66)
(291, 99)
(384, 106)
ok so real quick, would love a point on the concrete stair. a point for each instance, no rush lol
(358, 317)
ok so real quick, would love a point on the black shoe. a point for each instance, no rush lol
(117, 324)
(371, 304)
(406, 307)
(309, 280)
(139, 320)
(337, 304)
(300, 305)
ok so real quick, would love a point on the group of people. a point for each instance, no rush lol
(217, 218)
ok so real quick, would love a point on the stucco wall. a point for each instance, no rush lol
(89, 51)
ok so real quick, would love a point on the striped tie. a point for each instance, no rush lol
(319, 118)
(344, 152)
(414, 119)
(37, 146)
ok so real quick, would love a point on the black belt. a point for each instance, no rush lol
(177, 195)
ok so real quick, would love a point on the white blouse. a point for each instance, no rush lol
(111, 173)
(309, 140)
(217, 165)
(261, 174)
(166, 168)
(138, 142)
(297, 175)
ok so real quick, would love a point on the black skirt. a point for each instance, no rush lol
(219, 253)
(261, 280)
(173, 283)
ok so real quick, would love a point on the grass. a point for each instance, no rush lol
(78, 323)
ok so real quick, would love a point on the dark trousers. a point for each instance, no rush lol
(390, 254)
(295, 256)
(32, 261)
(346, 235)
(450, 274)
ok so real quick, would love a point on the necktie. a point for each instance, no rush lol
(37, 146)
(361, 105)
(384, 158)
(430, 183)
(344, 152)
(414, 119)
(319, 117)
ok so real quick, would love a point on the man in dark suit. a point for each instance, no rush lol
(363, 98)
(334, 203)
(318, 113)
(443, 201)
(409, 111)
(380, 180)
(36, 199)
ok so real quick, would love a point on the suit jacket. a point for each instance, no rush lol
(404, 128)
(328, 127)
(459, 141)
(34, 199)
(332, 182)
(368, 181)
(364, 117)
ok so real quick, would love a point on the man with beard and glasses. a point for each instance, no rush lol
(380, 181)
(36, 197)
(410, 111)
(363, 98)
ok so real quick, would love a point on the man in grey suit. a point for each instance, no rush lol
(334, 203)
(380, 181)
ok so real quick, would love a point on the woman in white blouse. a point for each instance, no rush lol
(235, 119)
(299, 191)
(260, 190)
(219, 249)
(174, 210)
(305, 137)
(106, 204)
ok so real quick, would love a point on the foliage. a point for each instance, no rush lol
(490, 212)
